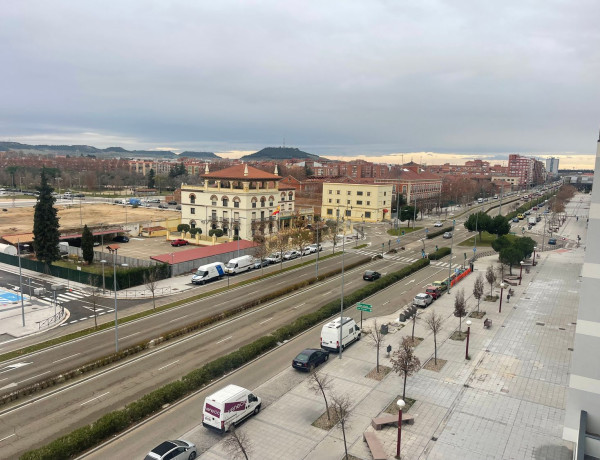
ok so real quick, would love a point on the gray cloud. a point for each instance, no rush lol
(367, 77)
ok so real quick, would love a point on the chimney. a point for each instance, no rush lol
(245, 170)
(206, 171)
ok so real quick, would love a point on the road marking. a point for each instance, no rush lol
(177, 319)
(226, 338)
(266, 320)
(13, 366)
(385, 303)
(93, 399)
(328, 292)
(130, 335)
(170, 364)
(30, 378)
(9, 436)
(411, 281)
(62, 359)
(10, 385)
(303, 303)
(276, 284)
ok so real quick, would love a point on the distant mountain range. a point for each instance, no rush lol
(268, 153)
(280, 153)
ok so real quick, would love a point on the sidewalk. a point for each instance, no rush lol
(506, 402)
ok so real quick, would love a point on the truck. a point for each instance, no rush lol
(63, 248)
(330, 334)
(531, 220)
(135, 202)
(239, 265)
(208, 272)
(228, 407)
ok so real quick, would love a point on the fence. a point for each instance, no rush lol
(105, 255)
(49, 322)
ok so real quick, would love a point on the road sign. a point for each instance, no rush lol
(364, 307)
(426, 231)
(398, 240)
(474, 249)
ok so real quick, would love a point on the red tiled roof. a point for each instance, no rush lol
(236, 172)
(200, 253)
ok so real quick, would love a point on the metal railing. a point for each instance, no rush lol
(49, 322)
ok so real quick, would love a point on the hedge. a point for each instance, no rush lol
(441, 252)
(438, 232)
(116, 421)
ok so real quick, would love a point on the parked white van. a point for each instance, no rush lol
(330, 334)
(208, 272)
(239, 265)
(229, 406)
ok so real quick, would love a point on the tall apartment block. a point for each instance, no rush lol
(552, 166)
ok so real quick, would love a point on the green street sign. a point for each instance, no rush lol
(364, 307)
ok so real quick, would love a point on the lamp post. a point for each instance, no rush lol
(317, 261)
(21, 284)
(534, 249)
(172, 265)
(401, 405)
(502, 286)
(103, 262)
(520, 272)
(468, 336)
(113, 251)
(451, 255)
(342, 296)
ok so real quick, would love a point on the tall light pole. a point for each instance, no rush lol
(468, 336)
(401, 405)
(451, 255)
(520, 272)
(534, 249)
(502, 286)
(21, 283)
(113, 251)
(342, 297)
(317, 261)
(103, 262)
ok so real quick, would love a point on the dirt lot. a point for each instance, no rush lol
(20, 219)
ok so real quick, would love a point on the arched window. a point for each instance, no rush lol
(236, 201)
(282, 196)
(263, 200)
(271, 200)
(254, 200)
(192, 224)
(291, 196)
(214, 200)
(225, 200)
(192, 198)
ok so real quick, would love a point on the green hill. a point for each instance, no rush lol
(280, 153)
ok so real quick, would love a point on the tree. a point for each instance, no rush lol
(502, 242)
(45, 224)
(320, 383)
(404, 361)
(499, 226)
(490, 277)
(408, 213)
(460, 307)
(478, 222)
(183, 228)
(87, 245)
(478, 289)
(414, 322)
(151, 281)
(525, 245)
(237, 444)
(376, 337)
(434, 324)
(511, 256)
(341, 408)
(151, 178)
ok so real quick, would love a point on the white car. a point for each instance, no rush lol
(422, 300)
(438, 224)
(315, 247)
(306, 251)
(173, 450)
(289, 255)
(447, 235)
(274, 258)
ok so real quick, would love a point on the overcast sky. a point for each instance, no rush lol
(335, 78)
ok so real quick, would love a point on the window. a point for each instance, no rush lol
(384, 202)
(337, 201)
(367, 215)
(359, 193)
(359, 202)
(192, 198)
(193, 211)
(214, 203)
(254, 204)
(337, 192)
(225, 202)
(348, 202)
(384, 193)
(253, 216)
(330, 191)
(236, 204)
(330, 212)
(368, 203)
(329, 200)
(348, 212)
(349, 192)
(214, 215)
(368, 193)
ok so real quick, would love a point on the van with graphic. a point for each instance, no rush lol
(208, 272)
(228, 407)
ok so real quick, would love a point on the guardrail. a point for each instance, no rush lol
(49, 322)
(138, 293)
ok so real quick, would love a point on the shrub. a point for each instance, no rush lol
(438, 232)
(184, 228)
(195, 230)
(441, 252)
(216, 232)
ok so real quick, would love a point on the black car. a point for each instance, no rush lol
(552, 241)
(370, 275)
(172, 203)
(310, 358)
(121, 239)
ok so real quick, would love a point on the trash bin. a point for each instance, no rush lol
(384, 328)
(389, 350)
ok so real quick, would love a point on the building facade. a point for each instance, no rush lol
(529, 171)
(240, 200)
(357, 202)
(552, 166)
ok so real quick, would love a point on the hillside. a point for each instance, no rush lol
(279, 153)
(204, 155)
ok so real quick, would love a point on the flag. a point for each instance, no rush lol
(276, 211)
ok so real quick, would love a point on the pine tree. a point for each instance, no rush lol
(151, 178)
(87, 245)
(45, 224)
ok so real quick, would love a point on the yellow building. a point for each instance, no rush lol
(357, 202)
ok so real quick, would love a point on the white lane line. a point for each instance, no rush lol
(130, 335)
(9, 436)
(277, 284)
(328, 292)
(74, 321)
(62, 359)
(386, 302)
(93, 399)
(266, 320)
(177, 319)
(170, 364)
(303, 303)
(47, 372)
(102, 313)
(226, 338)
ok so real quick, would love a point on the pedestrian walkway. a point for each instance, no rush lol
(506, 402)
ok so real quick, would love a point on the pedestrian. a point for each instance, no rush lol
(436, 248)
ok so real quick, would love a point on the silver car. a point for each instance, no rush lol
(422, 300)
(173, 450)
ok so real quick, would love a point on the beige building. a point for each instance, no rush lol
(240, 200)
(357, 202)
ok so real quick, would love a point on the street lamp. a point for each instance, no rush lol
(401, 405)
(103, 279)
(21, 283)
(342, 296)
(520, 272)
(534, 249)
(113, 251)
(468, 335)
(451, 255)
(502, 286)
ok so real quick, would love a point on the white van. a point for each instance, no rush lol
(229, 406)
(239, 265)
(479, 200)
(208, 272)
(330, 334)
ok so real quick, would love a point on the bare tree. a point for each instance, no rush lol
(376, 338)
(460, 307)
(260, 251)
(404, 361)
(478, 289)
(151, 283)
(320, 383)
(237, 444)
(490, 276)
(341, 407)
(434, 324)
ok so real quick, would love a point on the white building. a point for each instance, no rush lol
(552, 166)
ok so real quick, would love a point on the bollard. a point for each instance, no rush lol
(389, 350)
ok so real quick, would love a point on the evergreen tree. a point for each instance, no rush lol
(151, 178)
(45, 224)
(87, 245)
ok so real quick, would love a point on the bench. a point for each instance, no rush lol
(511, 282)
(390, 419)
(487, 323)
(375, 446)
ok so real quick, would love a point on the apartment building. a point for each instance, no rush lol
(357, 202)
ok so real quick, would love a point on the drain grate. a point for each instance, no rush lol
(570, 349)
(561, 329)
(540, 323)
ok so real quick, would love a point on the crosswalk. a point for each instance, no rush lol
(404, 259)
(71, 294)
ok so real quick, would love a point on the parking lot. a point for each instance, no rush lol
(143, 248)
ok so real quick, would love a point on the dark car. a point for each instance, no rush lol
(173, 203)
(515, 219)
(370, 275)
(121, 239)
(310, 358)
(552, 241)
(179, 242)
